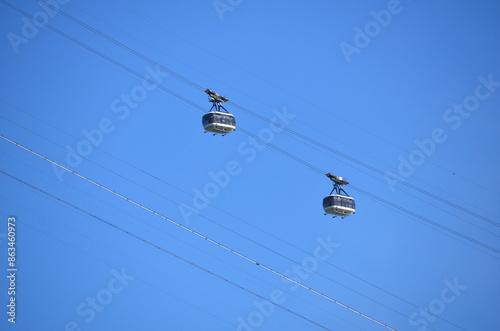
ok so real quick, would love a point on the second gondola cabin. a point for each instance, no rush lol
(216, 120)
(338, 204)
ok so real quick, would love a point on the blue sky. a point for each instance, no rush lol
(407, 87)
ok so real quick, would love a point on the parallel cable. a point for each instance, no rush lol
(262, 118)
(474, 224)
(253, 279)
(386, 202)
(170, 91)
(196, 86)
(121, 45)
(196, 233)
(163, 249)
(178, 95)
(104, 56)
(372, 168)
(136, 277)
(425, 219)
(283, 90)
(233, 216)
(202, 109)
(222, 226)
(302, 138)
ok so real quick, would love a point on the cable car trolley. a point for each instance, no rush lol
(336, 203)
(215, 120)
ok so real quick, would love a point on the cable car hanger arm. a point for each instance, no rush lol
(216, 99)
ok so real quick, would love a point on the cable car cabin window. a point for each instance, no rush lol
(208, 118)
(222, 119)
(225, 119)
(218, 118)
(327, 202)
(338, 201)
(348, 203)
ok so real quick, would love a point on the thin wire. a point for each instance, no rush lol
(173, 93)
(280, 88)
(423, 218)
(138, 278)
(98, 53)
(119, 44)
(408, 193)
(391, 204)
(222, 226)
(93, 50)
(252, 280)
(161, 249)
(374, 169)
(241, 220)
(332, 150)
(202, 109)
(197, 233)
(180, 77)
(189, 82)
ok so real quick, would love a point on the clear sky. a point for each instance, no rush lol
(408, 88)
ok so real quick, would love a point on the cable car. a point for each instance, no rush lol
(218, 121)
(338, 204)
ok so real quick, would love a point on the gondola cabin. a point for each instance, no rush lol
(218, 122)
(339, 205)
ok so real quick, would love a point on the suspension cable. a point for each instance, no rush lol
(163, 249)
(196, 86)
(233, 216)
(293, 132)
(197, 233)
